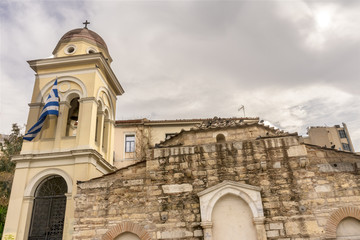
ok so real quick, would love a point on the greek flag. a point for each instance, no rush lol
(51, 108)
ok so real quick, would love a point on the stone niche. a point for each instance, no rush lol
(221, 206)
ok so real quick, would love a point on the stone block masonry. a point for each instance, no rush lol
(300, 189)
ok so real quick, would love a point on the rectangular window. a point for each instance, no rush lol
(346, 147)
(130, 143)
(342, 133)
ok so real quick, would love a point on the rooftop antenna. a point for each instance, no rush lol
(243, 108)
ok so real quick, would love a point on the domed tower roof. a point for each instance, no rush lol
(82, 34)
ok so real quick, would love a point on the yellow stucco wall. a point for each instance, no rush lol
(52, 152)
(28, 176)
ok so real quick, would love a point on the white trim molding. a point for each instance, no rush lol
(250, 194)
(37, 179)
(42, 95)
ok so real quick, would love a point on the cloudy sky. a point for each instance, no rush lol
(293, 63)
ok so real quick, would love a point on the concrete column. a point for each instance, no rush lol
(111, 142)
(99, 128)
(49, 127)
(27, 209)
(61, 123)
(106, 135)
(35, 109)
(69, 215)
(33, 116)
(17, 213)
(207, 228)
(86, 123)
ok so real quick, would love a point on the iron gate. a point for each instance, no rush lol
(47, 221)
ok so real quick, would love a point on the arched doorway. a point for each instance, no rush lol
(127, 236)
(47, 220)
(348, 228)
(232, 219)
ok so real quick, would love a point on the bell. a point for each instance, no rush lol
(75, 118)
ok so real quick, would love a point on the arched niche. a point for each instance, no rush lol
(232, 219)
(242, 195)
(337, 217)
(129, 229)
(348, 228)
(127, 236)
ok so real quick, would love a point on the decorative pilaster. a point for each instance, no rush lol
(99, 128)
(260, 228)
(207, 227)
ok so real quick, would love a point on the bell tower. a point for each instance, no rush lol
(76, 145)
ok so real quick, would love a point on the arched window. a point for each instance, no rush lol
(220, 138)
(73, 117)
(47, 221)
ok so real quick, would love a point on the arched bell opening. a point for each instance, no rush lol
(73, 117)
(48, 214)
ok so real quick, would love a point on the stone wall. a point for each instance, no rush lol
(301, 187)
(244, 131)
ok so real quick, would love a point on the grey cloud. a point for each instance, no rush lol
(193, 59)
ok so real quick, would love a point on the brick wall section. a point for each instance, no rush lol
(337, 217)
(302, 186)
(126, 227)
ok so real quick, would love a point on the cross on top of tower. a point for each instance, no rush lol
(86, 23)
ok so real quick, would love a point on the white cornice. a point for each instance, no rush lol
(66, 157)
(96, 58)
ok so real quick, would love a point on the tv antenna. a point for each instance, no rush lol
(242, 107)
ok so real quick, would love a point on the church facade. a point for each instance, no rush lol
(225, 179)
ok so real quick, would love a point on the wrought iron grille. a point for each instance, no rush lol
(48, 214)
(52, 186)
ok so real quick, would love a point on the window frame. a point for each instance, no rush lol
(132, 146)
(342, 133)
(346, 147)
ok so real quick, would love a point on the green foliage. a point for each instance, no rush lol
(3, 210)
(11, 147)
